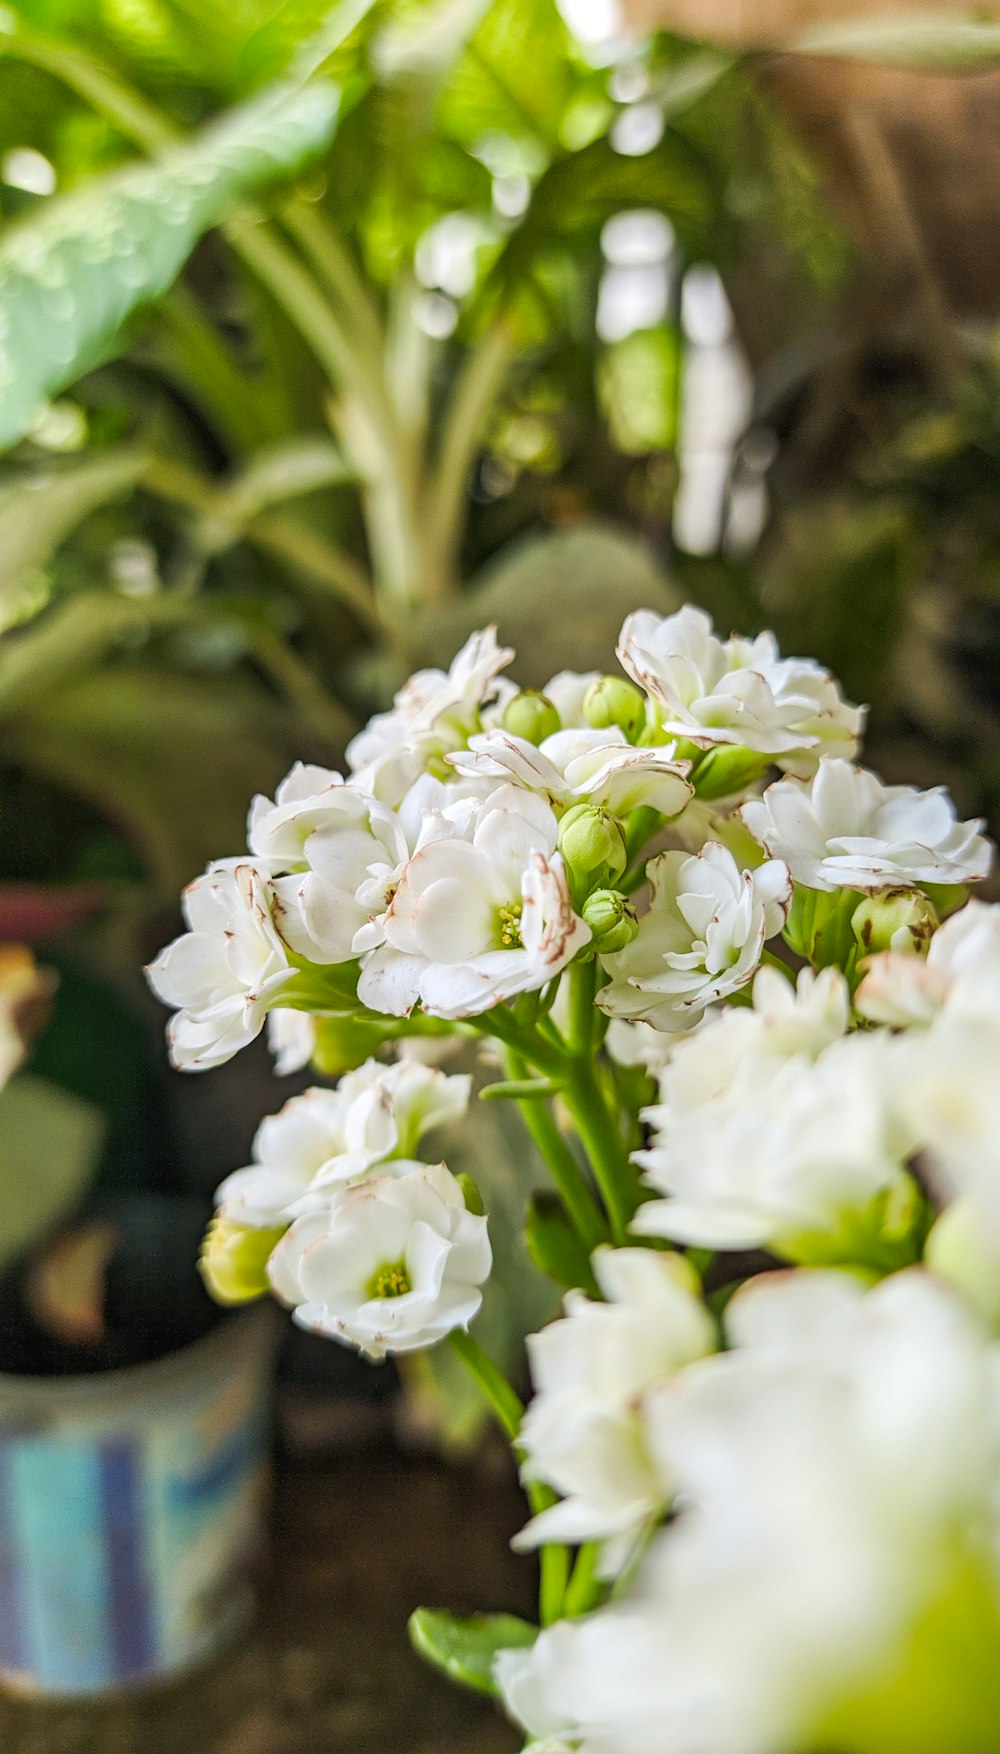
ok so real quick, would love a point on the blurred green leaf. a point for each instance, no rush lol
(70, 277)
(555, 1246)
(173, 760)
(929, 42)
(38, 510)
(465, 1649)
(50, 1141)
(559, 599)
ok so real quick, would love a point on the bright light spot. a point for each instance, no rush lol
(717, 400)
(706, 313)
(61, 426)
(701, 495)
(593, 21)
(631, 299)
(631, 240)
(511, 196)
(133, 567)
(24, 168)
(638, 130)
(629, 82)
(436, 315)
(446, 254)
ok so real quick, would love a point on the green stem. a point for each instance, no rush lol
(602, 1142)
(568, 1177)
(508, 1411)
(584, 1587)
(582, 979)
(506, 1406)
(527, 1042)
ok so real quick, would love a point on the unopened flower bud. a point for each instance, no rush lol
(532, 716)
(234, 1259)
(612, 920)
(611, 700)
(894, 919)
(593, 846)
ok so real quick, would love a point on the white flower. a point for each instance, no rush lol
(961, 972)
(701, 939)
(582, 767)
(734, 1049)
(526, 1677)
(836, 1542)
(390, 1265)
(583, 1431)
(327, 840)
(476, 920)
(711, 691)
(777, 1152)
(291, 1037)
(846, 829)
(326, 1137)
(435, 712)
(226, 971)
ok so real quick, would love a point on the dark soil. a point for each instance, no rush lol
(327, 1669)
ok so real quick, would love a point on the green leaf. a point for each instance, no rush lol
(465, 1649)
(38, 510)
(171, 759)
(555, 1246)
(50, 1141)
(70, 277)
(518, 1088)
(929, 42)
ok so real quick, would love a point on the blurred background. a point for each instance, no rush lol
(327, 334)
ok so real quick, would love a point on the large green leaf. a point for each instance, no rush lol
(935, 42)
(38, 510)
(465, 1649)
(70, 277)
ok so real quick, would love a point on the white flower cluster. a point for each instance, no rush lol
(450, 869)
(833, 1564)
(365, 1243)
(782, 1127)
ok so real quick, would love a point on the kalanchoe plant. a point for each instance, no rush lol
(767, 1511)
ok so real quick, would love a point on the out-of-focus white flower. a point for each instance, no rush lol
(737, 1048)
(583, 1431)
(582, 767)
(836, 1542)
(846, 829)
(327, 1137)
(392, 1264)
(711, 691)
(225, 973)
(435, 712)
(476, 920)
(291, 1037)
(947, 1093)
(786, 1152)
(526, 1678)
(960, 973)
(701, 939)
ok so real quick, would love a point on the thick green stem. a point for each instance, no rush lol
(602, 1142)
(568, 1177)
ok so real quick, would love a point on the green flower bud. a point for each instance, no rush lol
(612, 919)
(593, 846)
(725, 770)
(234, 1259)
(894, 919)
(532, 716)
(612, 700)
(471, 1195)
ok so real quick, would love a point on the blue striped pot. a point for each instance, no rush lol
(131, 1514)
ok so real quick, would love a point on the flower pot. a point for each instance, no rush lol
(131, 1513)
